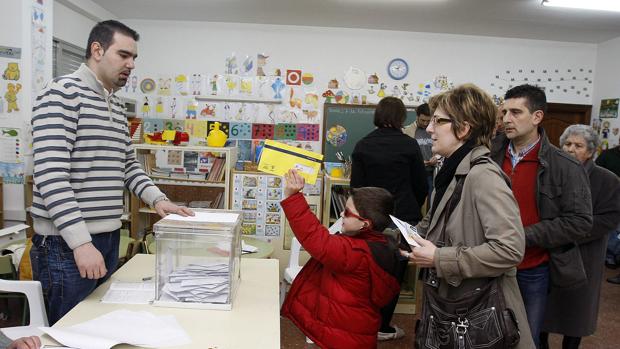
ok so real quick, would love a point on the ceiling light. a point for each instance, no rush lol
(603, 5)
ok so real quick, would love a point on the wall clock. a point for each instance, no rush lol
(398, 69)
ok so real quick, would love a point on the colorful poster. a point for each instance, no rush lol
(609, 108)
(259, 196)
(11, 161)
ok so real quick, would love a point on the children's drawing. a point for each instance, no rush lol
(11, 96)
(11, 72)
(277, 87)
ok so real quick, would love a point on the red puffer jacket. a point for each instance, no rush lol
(336, 298)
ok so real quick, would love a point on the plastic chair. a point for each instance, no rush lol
(38, 315)
(292, 270)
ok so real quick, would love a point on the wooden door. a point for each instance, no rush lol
(559, 116)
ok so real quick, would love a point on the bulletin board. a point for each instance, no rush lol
(345, 124)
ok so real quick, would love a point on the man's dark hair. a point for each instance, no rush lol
(535, 97)
(390, 112)
(423, 109)
(103, 33)
(375, 204)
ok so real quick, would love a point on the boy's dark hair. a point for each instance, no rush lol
(390, 112)
(103, 33)
(423, 109)
(534, 95)
(374, 204)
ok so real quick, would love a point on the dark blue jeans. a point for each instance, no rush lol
(54, 266)
(534, 287)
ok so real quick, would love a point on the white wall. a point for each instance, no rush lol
(170, 47)
(607, 82)
(16, 27)
(71, 26)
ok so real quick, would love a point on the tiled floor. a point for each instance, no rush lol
(606, 337)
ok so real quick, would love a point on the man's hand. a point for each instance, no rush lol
(89, 261)
(25, 343)
(294, 183)
(424, 255)
(165, 207)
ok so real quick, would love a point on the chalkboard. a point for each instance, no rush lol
(345, 124)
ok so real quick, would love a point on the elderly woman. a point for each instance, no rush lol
(573, 312)
(474, 236)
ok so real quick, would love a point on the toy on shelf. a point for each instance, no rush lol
(216, 137)
(167, 137)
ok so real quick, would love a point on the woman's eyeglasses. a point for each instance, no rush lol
(438, 121)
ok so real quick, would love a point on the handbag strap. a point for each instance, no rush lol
(456, 197)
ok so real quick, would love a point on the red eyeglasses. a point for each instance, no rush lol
(349, 214)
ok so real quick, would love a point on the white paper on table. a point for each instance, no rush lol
(130, 293)
(407, 230)
(119, 327)
(206, 217)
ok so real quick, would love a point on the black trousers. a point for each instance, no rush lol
(388, 311)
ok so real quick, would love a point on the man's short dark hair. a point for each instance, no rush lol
(423, 109)
(103, 33)
(535, 96)
(390, 112)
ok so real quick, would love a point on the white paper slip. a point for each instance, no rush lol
(206, 217)
(130, 293)
(118, 327)
(407, 230)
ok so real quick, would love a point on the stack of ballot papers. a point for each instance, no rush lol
(198, 283)
(119, 327)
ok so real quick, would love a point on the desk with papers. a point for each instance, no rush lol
(254, 321)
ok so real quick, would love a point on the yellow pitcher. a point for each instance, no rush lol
(216, 137)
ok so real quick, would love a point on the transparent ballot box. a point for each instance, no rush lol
(198, 259)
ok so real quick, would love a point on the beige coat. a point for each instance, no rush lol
(484, 237)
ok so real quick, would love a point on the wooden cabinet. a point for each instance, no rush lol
(333, 201)
(188, 175)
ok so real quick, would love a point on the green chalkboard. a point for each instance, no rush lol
(345, 124)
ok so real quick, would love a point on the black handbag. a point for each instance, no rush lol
(478, 319)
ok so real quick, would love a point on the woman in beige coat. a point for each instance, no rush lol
(483, 236)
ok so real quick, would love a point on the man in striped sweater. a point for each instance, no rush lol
(83, 159)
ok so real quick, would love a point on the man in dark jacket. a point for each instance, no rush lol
(553, 194)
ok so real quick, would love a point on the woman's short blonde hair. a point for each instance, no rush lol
(468, 104)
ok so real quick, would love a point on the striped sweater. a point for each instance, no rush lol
(83, 159)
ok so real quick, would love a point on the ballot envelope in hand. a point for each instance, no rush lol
(408, 231)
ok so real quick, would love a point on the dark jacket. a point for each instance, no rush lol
(387, 158)
(564, 206)
(579, 319)
(335, 299)
(610, 159)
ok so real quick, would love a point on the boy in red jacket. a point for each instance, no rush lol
(336, 298)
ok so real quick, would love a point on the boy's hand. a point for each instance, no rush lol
(294, 183)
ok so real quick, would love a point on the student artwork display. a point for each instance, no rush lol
(11, 162)
(40, 47)
(259, 196)
(609, 108)
(576, 82)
